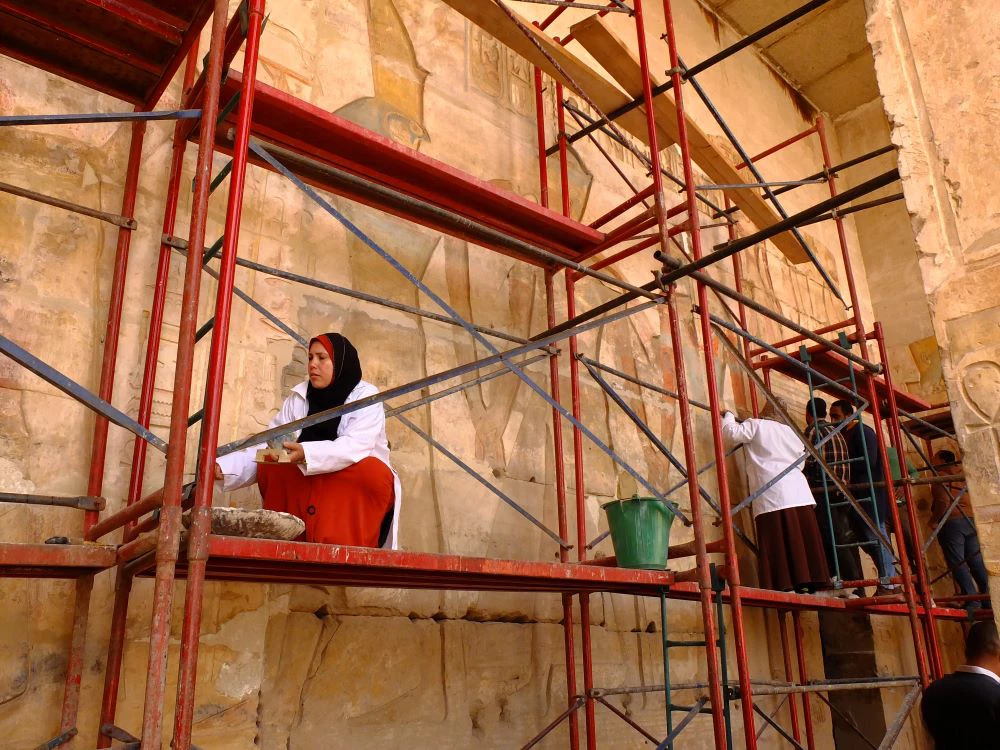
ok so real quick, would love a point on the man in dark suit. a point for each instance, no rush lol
(866, 468)
(962, 710)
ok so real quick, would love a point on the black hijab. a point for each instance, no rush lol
(346, 376)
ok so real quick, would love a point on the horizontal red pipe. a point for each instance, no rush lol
(623, 207)
(797, 339)
(611, 259)
(779, 146)
(125, 515)
(629, 251)
(962, 598)
(629, 229)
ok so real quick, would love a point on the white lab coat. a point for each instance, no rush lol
(361, 434)
(769, 447)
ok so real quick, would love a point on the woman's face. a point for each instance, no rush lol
(320, 366)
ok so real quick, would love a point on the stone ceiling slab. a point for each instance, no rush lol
(818, 53)
(846, 87)
(750, 15)
(828, 41)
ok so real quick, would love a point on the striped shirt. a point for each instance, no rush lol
(833, 450)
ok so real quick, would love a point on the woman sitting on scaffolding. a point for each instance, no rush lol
(334, 475)
(788, 536)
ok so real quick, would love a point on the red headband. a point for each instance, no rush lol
(327, 344)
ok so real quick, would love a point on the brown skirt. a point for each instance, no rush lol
(791, 550)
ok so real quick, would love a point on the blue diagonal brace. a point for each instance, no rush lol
(488, 485)
(644, 428)
(416, 385)
(483, 341)
(801, 459)
(76, 391)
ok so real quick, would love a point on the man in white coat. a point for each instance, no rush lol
(788, 537)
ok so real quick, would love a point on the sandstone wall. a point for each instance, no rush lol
(937, 68)
(305, 667)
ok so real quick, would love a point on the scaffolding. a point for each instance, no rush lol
(136, 55)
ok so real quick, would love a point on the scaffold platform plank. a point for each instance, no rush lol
(327, 140)
(268, 561)
(129, 49)
(54, 560)
(786, 600)
(924, 428)
(835, 367)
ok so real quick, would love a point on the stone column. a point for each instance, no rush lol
(938, 69)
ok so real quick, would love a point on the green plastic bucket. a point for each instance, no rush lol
(640, 531)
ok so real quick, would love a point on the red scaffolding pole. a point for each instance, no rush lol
(168, 539)
(208, 557)
(731, 560)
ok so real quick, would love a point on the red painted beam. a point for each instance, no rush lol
(54, 560)
(143, 16)
(328, 140)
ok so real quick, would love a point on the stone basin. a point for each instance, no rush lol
(253, 523)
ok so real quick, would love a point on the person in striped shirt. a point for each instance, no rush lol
(832, 516)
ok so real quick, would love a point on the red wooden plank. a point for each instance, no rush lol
(329, 140)
(47, 50)
(54, 560)
(126, 48)
(835, 367)
(77, 35)
(143, 16)
(291, 561)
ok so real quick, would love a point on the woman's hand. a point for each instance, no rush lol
(218, 472)
(296, 453)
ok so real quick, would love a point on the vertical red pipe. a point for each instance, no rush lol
(543, 164)
(581, 511)
(170, 514)
(560, 479)
(99, 446)
(563, 144)
(654, 147)
(123, 583)
(896, 437)
(201, 515)
(789, 675)
(742, 313)
(702, 560)
(581, 521)
(801, 654)
(904, 564)
(697, 523)
(555, 390)
(732, 562)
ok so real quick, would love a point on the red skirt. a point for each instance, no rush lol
(342, 507)
(791, 550)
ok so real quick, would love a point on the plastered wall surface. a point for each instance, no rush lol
(305, 667)
(937, 69)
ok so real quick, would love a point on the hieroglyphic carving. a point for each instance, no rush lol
(980, 388)
(498, 72)
(984, 250)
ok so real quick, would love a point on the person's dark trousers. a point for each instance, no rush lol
(907, 538)
(848, 557)
(960, 545)
(873, 547)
